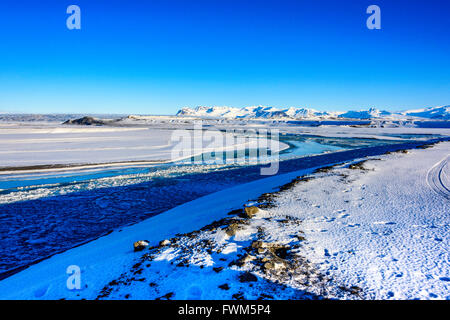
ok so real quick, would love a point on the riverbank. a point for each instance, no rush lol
(111, 259)
(372, 228)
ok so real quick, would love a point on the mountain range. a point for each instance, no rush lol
(262, 112)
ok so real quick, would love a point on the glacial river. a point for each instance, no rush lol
(44, 214)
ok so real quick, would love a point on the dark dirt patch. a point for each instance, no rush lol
(354, 290)
(224, 286)
(237, 212)
(358, 165)
(238, 296)
(264, 296)
(247, 277)
(167, 296)
(324, 169)
(218, 269)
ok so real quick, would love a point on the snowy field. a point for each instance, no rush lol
(382, 226)
(343, 232)
(376, 229)
(44, 213)
(52, 144)
(371, 230)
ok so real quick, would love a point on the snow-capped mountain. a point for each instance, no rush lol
(439, 113)
(255, 112)
(262, 112)
(366, 114)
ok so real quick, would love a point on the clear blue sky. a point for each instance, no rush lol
(155, 56)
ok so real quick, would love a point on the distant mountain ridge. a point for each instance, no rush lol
(262, 112)
(442, 113)
(253, 112)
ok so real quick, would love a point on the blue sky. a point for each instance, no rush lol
(153, 57)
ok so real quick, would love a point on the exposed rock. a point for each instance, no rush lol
(87, 121)
(358, 165)
(269, 266)
(140, 245)
(164, 243)
(245, 259)
(231, 229)
(275, 264)
(275, 254)
(281, 252)
(251, 211)
(354, 290)
(260, 244)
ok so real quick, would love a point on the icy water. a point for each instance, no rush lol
(41, 215)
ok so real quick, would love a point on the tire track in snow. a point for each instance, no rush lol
(438, 178)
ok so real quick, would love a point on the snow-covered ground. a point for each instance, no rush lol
(369, 230)
(105, 259)
(50, 144)
(378, 229)
(374, 230)
(382, 226)
(48, 209)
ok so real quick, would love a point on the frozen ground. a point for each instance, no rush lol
(380, 225)
(24, 145)
(46, 210)
(376, 229)
(43, 214)
(53, 144)
(370, 229)
(304, 235)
